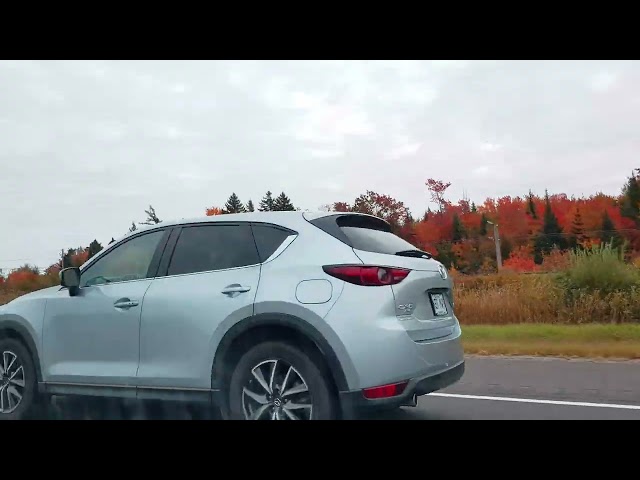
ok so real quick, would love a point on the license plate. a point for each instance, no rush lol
(439, 305)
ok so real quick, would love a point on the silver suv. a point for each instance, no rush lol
(278, 315)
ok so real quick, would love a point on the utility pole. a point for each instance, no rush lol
(496, 239)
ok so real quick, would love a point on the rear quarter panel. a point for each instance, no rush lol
(288, 286)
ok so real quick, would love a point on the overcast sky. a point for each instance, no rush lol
(86, 146)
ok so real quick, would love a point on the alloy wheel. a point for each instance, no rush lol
(12, 382)
(276, 391)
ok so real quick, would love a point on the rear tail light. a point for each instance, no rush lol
(367, 275)
(385, 391)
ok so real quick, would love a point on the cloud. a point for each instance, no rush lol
(88, 145)
(603, 81)
(490, 147)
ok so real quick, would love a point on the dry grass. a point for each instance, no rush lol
(7, 296)
(513, 299)
(588, 341)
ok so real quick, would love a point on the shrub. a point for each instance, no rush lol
(22, 280)
(600, 268)
(556, 261)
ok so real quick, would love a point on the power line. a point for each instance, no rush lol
(569, 234)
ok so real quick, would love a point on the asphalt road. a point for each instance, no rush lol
(493, 388)
(527, 388)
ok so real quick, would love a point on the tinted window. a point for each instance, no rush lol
(377, 241)
(213, 247)
(363, 232)
(129, 261)
(268, 239)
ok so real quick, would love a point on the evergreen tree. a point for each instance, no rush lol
(630, 206)
(234, 205)
(609, 234)
(506, 248)
(577, 230)
(550, 236)
(283, 204)
(483, 225)
(445, 255)
(133, 227)
(68, 257)
(474, 209)
(250, 207)
(458, 231)
(531, 206)
(94, 248)
(266, 204)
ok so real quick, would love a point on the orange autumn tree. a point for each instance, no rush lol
(210, 212)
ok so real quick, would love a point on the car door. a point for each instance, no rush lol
(212, 277)
(93, 338)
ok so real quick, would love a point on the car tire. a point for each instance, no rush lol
(20, 381)
(299, 390)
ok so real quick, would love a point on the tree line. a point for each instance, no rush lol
(535, 231)
(268, 203)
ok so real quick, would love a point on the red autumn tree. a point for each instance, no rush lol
(437, 189)
(210, 212)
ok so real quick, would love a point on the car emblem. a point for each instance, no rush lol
(407, 308)
(443, 271)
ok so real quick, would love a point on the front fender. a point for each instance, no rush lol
(18, 327)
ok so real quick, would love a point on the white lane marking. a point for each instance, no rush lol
(533, 400)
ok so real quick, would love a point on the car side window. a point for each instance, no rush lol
(268, 239)
(213, 247)
(129, 261)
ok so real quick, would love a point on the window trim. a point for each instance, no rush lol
(170, 247)
(152, 271)
(292, 235)
(283, 246)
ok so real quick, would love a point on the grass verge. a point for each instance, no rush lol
(587, 341)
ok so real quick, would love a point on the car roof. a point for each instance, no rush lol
(283, 218)
(270, 217)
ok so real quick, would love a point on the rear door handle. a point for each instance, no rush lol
(125, 303)
(230, 289)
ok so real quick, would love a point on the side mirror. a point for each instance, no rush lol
(70, 278)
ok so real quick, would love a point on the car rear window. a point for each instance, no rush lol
(268, 239)
(362, 232)
(377, 241)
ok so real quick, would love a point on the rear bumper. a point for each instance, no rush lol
(354, 402)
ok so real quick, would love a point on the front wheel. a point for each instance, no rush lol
(277, 381)
(17, 380)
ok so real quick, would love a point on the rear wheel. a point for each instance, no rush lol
(17, 380)
(277, 381)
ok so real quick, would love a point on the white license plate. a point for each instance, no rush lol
(439, 305)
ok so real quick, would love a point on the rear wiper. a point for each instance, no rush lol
(414, 253)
